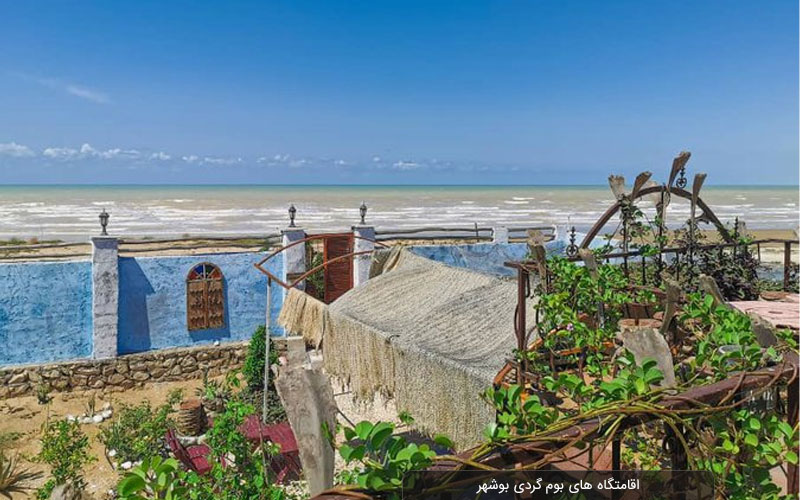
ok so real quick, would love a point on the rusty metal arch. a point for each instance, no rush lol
(682, 193)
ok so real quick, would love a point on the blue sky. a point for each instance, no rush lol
(461, 92)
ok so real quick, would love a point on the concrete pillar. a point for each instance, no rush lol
(500, 235)
(294, 259)
(361, 263)
(105, 296)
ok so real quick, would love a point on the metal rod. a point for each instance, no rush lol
(266, 350)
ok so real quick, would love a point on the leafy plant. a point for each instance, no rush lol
(13, 478)
(65, 448)
(138, 431)
(380, 459)
(155, 478)
(253, 369)
(43, 394)
(238, 469)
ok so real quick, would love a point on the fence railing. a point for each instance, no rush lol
(474, 232)
(688, 253)
(129, 246)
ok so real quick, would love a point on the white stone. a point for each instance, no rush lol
(112, 453)
(70, 418)
(97, 419)
(216, 343)
(126, 465)
(106, 414)
(85, 420)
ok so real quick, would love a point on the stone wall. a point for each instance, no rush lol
(124, 372)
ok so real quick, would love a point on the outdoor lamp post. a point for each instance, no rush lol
(292, 212)
(363, 211)
(104, 222)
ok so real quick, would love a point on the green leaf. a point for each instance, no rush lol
(444, 441)
(130, 485)
(751, 439)
(380, 433)
(363, 429)
(754, 423)
(791, 457)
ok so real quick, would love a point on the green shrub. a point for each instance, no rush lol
(138, 431)
(65, 448)
(253, 369)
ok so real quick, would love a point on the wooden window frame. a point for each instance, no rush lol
(210, 292)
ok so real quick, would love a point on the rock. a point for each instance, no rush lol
(97, 418)
(117, 379)
(59, 384)
(647, 342)
(98, 384)
(68, 492)
(126, 465)
(51, 374)
(216, 343)
(106, 405)
(141, 376)
(106, 414)
(188, 361)
(176, 370)
(121, 367)
(70, 418)
(85, 420)
(112, 453)
(19, 378)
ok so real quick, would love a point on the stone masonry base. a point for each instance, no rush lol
(123, 372)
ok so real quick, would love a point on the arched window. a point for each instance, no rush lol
(205, 299)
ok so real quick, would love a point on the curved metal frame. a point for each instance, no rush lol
(258, 265)
(590, 236)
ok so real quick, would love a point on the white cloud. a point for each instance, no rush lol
(406, 165)
(87, 151)
(210, 160)
(67, 87)
(15, 150)
(161, 156)
(61, 153)
(88, 94)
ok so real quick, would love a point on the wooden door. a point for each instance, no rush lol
(338, 275)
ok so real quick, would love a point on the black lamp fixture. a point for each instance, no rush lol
(363, 211)
(104, 222)
(292, 212)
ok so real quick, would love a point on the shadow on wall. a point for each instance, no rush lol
(134, 323)
(154, 317)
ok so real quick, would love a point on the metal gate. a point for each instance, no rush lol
(339, 273)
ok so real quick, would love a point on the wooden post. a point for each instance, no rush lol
(522, 279)
(787, 264)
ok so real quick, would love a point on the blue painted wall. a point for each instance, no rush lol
(45, 312)
(483, 257)
(152, 302)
